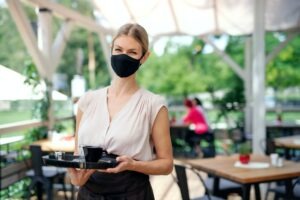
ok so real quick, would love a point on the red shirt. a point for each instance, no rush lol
(195, 117)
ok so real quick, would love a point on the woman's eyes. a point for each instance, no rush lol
(130, 52)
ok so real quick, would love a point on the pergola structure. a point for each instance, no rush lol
(169, 18)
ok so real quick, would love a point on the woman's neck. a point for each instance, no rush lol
(123, 87)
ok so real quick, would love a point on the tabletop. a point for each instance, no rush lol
(9, 140)
(66, 144)
(292, 142)
(224, 167)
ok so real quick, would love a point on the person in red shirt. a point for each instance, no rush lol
(199, 128)
(195, 117)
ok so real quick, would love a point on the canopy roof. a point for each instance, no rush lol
(12, 87)
(194, 17)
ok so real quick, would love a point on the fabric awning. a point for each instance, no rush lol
(194, 17)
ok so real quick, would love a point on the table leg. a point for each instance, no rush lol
(288, 189)
(257, 191)
(287, 153)
(216, 184)
(246, 191)
(39, 191)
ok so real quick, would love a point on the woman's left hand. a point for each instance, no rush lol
(124, 163)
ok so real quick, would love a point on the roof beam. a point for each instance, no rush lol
(174, 15)
(60, 41)
(66, 13)
(233, 65)
(27, 35)
(276, 51)
(129, 11)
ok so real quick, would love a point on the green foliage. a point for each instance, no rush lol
(233, 101)
(78, 39)
(184, 70)
(40, 110)
(245, 148)
(286, 64)
(32, 75)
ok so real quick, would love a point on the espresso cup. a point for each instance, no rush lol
(92, 153)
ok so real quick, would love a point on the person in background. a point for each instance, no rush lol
(195, 117)
(127, 121)
(198, 103)
(198, 124)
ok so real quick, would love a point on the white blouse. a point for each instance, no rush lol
(129, 132)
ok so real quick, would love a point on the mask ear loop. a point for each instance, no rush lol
(142, 58)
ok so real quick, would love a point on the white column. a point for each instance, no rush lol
(258, 77)
(248, 84)
(45, 46)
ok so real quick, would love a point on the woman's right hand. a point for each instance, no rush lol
(79, 176)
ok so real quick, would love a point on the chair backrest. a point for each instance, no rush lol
(36, 158)
(182, 181)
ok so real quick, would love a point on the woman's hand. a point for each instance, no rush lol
(124, 163)
(79, 176)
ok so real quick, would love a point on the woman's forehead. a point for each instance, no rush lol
(127, 42)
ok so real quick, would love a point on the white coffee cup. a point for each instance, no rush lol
(279, 162)
(274, 159)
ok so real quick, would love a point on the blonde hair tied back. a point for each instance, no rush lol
(135, 31)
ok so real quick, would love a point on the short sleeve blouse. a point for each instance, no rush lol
(129, 132)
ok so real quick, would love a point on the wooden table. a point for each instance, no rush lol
(63, 144)
(223, 167)
(288, 143)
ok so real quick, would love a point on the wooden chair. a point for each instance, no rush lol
(183, 183)
(42, 177)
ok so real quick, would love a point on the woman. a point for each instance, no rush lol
(125, 120)
(195, 117)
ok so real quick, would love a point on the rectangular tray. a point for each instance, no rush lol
(71, 161)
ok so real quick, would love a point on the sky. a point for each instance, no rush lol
(2, 3)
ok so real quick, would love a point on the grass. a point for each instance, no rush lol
(14, 116)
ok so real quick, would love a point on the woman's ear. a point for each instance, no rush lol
(145, 57)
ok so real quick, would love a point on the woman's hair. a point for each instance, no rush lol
(188, 103)
(135, 31)
(198, 101)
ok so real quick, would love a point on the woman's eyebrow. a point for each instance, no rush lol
(132, 49)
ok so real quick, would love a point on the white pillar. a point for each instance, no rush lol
(45, 46)
(248, 84)
(258, 77)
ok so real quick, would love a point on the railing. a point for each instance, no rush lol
(16, 171)
(17, 126)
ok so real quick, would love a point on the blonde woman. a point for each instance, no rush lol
(125, 120)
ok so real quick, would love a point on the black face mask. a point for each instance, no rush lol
(124, 65)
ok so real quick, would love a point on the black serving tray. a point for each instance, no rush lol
(71, 161)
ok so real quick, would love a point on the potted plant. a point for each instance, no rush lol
(244, 152)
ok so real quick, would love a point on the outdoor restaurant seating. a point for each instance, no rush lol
(280, 192)
(226, 187)
(183, 183)
(43, 177)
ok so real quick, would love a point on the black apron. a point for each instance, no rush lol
(127, 185)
